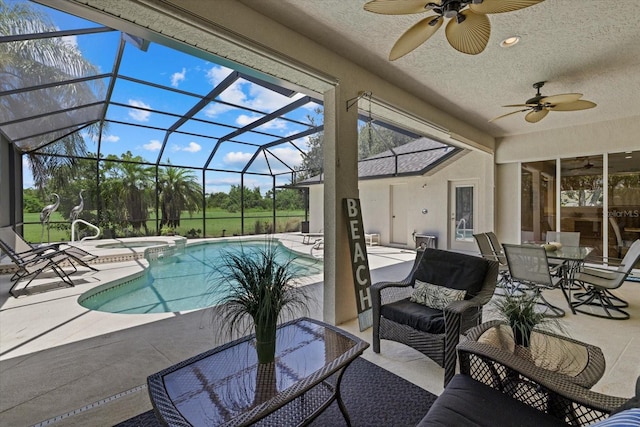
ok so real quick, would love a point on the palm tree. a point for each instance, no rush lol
(33, 62)
(179, 192)
(126, 190)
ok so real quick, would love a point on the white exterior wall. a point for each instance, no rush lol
(430, 192)
(589, 140)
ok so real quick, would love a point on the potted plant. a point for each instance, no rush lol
(262, 285)
(518, 310)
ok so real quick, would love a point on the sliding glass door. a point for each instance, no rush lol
(570, 194)
(582, 199)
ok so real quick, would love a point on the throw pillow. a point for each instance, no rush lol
(435, 296)
(628, 418)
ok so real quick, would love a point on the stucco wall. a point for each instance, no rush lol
(593, 139)
(430, 192)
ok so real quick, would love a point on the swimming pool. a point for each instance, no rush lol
(185, 281)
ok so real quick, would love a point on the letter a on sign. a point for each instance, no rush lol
(359, 262)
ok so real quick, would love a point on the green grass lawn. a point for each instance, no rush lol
(217, 220)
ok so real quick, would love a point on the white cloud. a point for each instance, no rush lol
(244, 119)
(153, 145)
(217, 73)
(139, 115)
(176, 78)
(111, 138)
(237, 157)
(246, 94)
(290, 156)
(192, 147)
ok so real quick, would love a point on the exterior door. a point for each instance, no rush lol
(463, 213)
(399, 214)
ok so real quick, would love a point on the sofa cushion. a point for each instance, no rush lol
(416, 315)
(467, 402)
(453, 270)
(435, 296)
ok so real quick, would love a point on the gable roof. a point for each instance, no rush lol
(412, 159)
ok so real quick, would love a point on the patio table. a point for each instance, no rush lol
(226, 385)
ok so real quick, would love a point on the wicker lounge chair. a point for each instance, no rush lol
(434, 332)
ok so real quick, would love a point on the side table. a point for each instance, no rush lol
(550, 358)
(582, 363)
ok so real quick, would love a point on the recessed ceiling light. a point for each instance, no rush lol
(509, 41)
(629, 157)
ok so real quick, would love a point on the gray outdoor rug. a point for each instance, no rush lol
(374, 397)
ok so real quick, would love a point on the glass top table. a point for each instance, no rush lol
(226, 385)
(581, 363)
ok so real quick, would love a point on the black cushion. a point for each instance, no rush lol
(467, 402)
(416, 315)
(453, 270)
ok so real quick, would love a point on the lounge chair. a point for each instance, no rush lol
(32, 264)
(20, 246)
(31, 261)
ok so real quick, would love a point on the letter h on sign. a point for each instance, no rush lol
(359, 262)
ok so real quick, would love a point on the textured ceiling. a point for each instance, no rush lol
(586, 46)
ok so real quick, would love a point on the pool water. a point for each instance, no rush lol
(186, 281)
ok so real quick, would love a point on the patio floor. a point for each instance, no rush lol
(61, 362)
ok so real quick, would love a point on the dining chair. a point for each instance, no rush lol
(528, 265)
(599, 283)
(487, 251)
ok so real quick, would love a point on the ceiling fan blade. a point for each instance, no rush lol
(508, 114)
(396, 7)
(501, 6)
(414, 37)
(536, 116)
(472, 35)
(520, 105)
(581, 104)
(563, 98)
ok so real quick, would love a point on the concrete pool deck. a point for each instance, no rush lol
(62, 363)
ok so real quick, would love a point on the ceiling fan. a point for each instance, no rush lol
(539, 106)
(587, 165)
(468, 32)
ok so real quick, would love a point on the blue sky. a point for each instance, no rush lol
(163, 66)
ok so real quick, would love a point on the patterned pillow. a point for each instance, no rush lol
(435, 296)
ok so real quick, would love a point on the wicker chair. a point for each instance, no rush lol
(496, 387)
(434, 332)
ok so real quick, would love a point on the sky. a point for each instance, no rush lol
(170, 68)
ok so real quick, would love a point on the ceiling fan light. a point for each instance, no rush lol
(510, 41)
